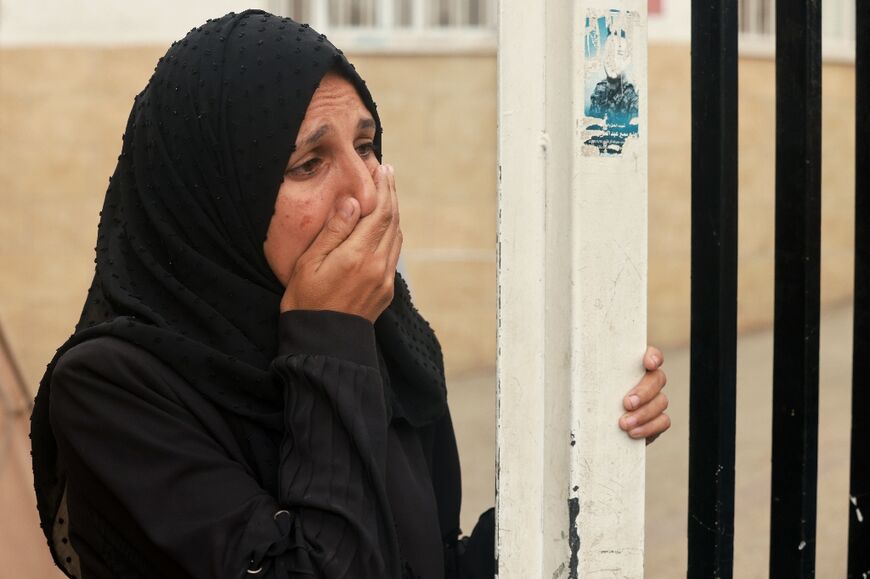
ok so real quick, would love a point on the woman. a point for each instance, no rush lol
(249, 390)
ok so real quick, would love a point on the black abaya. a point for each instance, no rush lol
(170, 435)
(132, 433)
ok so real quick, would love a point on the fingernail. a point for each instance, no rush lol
(655, 359)
(633, 401)
(630, 421)
(383, 169)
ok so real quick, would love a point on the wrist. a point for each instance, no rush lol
(329, 333)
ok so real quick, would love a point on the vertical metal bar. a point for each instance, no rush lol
(320, 14)
(521, 298)
(859, 478)
(849, 15)
(418, 14)
(338, 13)
(370, 14)
(571, 215)
(796, 309)
(602, 218)
(772, 29)
(714, 288)
(386, 15)
(766, 18)
(475, 13)
(454, 13)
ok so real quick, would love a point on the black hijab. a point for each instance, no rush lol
(180, 269)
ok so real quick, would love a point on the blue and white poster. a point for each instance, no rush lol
(611, 93)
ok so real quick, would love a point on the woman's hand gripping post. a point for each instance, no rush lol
(646, 403)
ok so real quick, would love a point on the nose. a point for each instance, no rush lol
(357, 181)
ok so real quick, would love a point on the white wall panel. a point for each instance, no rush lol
(108, 22)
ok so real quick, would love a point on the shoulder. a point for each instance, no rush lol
(101, 354)
(108, 366)
(107, 357)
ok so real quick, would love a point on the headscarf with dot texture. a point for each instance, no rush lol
(180, 269)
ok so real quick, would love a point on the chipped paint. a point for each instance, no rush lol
(858, 513)
(573, 536)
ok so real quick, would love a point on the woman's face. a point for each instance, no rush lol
(334, 159)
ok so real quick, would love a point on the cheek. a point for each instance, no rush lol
(307, 216)
(305, 221)
(296, 222)
(294, 225)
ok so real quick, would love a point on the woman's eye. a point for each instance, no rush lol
(305, 169)
(365, 149)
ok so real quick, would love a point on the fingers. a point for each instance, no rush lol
(644, 414)
(395, 252)
(646, 403)
(652, 428)
(392, 231)
(372, 228)
(647, 389)
(395, 236)
(653, 358)
(336, 230)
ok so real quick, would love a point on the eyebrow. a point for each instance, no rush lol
(316, 135)
(367, 123)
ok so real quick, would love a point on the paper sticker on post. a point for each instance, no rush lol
(611, 94)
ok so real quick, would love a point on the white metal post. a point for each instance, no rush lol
(571, 287)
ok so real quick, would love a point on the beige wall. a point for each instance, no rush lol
(670, 191)
(62, 112)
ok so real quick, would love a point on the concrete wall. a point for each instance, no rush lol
(62, 111)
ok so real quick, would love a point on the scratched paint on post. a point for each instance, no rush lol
(611, 90)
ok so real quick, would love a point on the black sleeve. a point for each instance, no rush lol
(471, 557)
(197, 502)
(476, 553)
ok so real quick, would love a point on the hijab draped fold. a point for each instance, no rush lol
(180, 269)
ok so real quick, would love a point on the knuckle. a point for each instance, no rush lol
(382, 224)
(665, 402)
(371, 272)
(334, 227)
(646, 389)
(662, 377)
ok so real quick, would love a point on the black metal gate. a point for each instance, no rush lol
(796, 310)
